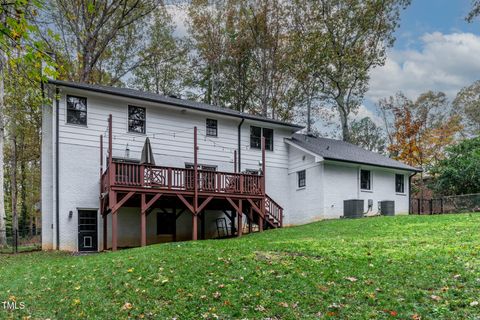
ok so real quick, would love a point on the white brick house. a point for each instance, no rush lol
(305, 178)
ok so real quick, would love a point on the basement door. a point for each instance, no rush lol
(87, 230)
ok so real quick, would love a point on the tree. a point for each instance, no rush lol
(241, 55)
(15, 37)
(474, 12)
(467, 106)
(350, 38)
(23, 113)
(366, 134)
(459, 172)
(98, 39)
(164, 60)
(206, 26)
(419, 131)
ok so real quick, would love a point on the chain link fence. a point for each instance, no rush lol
(22, 240)
(447, 204)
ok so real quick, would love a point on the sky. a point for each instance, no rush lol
(435, 49)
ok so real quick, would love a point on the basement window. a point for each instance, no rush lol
(399, 183)
(212, 128)
(302, 178)
(365, 180)
(76, 110)
(256, 138)
(136, 119)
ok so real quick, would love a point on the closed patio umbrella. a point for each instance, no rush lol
(147, 154)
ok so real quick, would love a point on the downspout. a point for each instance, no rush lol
(239, 167)
(57, 180)
(410, 192)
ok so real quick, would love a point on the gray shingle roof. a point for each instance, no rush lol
(338, 150)
(152, 97)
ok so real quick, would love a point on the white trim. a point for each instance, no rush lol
(317, 157)
(360, 179)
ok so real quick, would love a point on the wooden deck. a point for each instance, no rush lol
(149, 186)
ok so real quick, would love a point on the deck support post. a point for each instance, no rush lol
(195, 186)
(194, 226)
(143, 221)
(262, 202)
(105, 228)
(113, 203)
(240, 218)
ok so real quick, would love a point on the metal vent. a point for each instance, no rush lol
(353, 208)
(387, 208)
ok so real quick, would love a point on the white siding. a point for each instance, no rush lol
(342, 182)
(171, 133)
(47, 179)
(306, 204)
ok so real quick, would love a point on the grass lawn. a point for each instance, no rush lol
(411, 267)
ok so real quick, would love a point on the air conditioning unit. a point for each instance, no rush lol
(353, 208)
(387, 207)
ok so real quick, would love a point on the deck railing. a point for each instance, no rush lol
(274, 210)
(148, 176)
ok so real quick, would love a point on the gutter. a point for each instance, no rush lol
(57, 180)
(240, 145)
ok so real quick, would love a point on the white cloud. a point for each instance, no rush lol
(446, 62)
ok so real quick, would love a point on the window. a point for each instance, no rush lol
(77, 110)
(399, 183)
(365, 180)
(302, 179)
(256, 138)
(136, 119)
(212, 128)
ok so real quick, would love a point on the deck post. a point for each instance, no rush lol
(195, 186)
(240, 218)
(194, 226)
(143, 221)
(113, 202)
(262, 202)
(105, 236)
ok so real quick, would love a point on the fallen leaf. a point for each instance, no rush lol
(283, 304)
(260, 308)
(127, 306)
(351, 279)
(436, 298)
